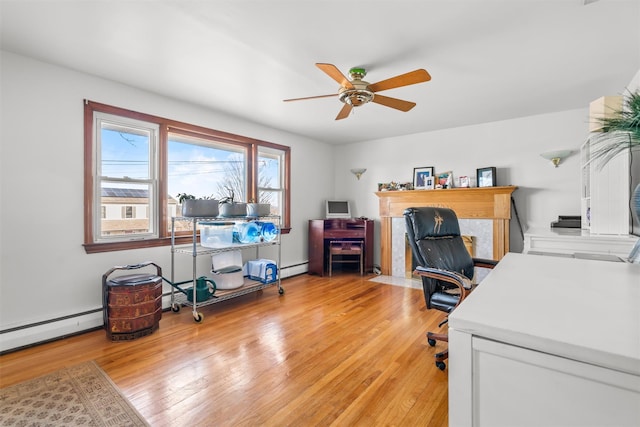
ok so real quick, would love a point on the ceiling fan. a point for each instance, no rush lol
(357, 92)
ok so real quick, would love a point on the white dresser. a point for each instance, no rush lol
(547, 341)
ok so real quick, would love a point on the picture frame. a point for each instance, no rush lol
(486, 177)
(423, 178)
(464, 182)
(445, 180)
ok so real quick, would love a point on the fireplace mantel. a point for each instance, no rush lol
(476, 203)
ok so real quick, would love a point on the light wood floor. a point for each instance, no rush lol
(343, 351)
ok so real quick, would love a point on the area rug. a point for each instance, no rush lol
(80, 395)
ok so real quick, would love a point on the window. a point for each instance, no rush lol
(270, 177)
(205, 168)
(136, 164)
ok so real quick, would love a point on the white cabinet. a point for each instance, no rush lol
(605, 190)
(515, 386)
(534, 345)
(572, 241)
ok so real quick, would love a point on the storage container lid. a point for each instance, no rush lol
(133, 279)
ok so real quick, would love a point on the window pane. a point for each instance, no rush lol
(204, 169)
(272, 197)
(124, 151)
(125, 209)
(270, 178)
(269, 175)
(125, 178)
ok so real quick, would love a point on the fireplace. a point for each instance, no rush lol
(483, 213)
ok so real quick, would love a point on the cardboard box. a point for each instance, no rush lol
(604, 107)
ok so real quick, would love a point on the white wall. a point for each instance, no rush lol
(512, 146)
(44, 270)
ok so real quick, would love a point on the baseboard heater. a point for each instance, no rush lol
(19, 337)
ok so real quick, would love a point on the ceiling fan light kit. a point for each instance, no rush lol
(357, 92)
(359, 95)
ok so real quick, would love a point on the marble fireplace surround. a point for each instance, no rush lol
(487, 208)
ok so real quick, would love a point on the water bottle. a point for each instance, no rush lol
(247, 232)
(268, 230)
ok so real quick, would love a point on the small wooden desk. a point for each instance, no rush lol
(321, 231)
(547, 341)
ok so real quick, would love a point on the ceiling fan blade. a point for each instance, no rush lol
(310, 97)
(398, 104)
(344, 113)
(410, 78)
(335, 74)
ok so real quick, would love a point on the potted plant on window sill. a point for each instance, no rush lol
(228, 207)
(198, 207)
(255, 210)
(621, 133)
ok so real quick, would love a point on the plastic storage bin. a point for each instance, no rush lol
(226, 268)
(216, 234)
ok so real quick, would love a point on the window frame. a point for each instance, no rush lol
(92, 244)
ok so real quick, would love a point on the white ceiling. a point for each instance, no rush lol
(489, 59)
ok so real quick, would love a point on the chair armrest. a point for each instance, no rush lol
(445, 275)
(484, 263)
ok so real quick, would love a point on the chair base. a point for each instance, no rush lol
(432, 338)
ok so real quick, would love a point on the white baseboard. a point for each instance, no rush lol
(48, 331)
(293, 270)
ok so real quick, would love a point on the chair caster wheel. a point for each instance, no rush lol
(441, 365)
(431, 342)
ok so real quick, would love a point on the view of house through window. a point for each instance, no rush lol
(141, 163)
(125, 177)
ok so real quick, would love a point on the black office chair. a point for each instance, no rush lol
(443, 261)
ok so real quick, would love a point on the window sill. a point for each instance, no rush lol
(94, 248)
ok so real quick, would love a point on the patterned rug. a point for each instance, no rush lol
(81, 395)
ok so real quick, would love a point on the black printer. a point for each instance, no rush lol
(567, 221)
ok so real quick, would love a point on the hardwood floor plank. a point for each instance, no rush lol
(330, 351)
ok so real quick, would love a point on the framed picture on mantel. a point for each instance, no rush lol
(423, 178)
(486, 177)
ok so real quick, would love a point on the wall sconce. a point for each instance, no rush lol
(358, 172)
(556, 156)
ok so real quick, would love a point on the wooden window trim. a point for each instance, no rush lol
(166, 126)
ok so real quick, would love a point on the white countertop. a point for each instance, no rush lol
(584, 310)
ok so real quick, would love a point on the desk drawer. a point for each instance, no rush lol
(344, 234)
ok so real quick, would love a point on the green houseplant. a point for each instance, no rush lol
(621, 132)
(193, 206)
